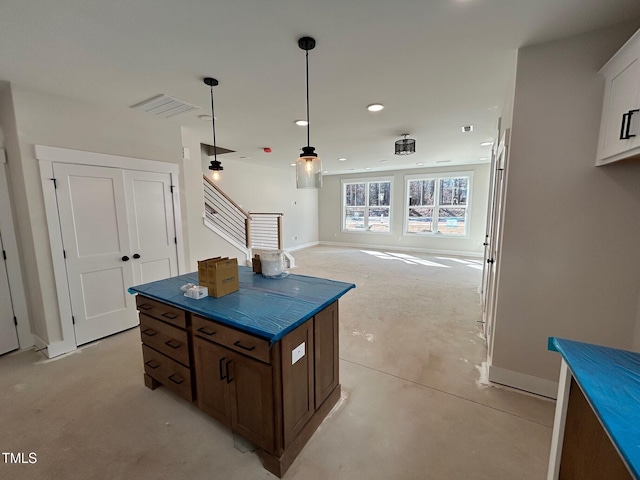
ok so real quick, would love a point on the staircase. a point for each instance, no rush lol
(249, 232)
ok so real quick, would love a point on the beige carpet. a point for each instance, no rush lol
(415, 405)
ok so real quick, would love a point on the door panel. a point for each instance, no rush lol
(93, 220)
(8, 333)
(151, 225)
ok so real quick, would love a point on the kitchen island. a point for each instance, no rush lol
(596, 431)
(263, 360)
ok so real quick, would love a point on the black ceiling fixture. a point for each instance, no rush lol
(308, 165)
(405, 146)
(215, 165)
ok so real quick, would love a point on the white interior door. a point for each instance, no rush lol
(94, 225)
(499, 197)
(151, 226)
(8, 332)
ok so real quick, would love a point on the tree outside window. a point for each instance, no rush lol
(437, 205)
(367, 206)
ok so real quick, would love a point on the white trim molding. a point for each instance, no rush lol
(430, 251)
(14, 268)
(522, 381)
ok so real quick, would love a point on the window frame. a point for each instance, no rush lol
(437, 177)
(366, 181)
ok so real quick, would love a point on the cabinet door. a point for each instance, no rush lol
(325, 334)
(298, 399)
(251, 391)
(622, 91)
(212, 363)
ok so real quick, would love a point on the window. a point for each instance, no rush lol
(366, 206)
(438, 204)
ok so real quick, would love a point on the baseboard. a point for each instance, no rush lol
(430, 251)
(522, 381)
(53, 349)
(302, 247)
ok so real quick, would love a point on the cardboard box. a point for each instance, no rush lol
(255, 263)
(219, 275)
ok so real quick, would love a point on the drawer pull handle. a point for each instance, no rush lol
(222, 374)
(149, 332)
(173, 343)
(229, 379)
(177, 380)
(169, 315)
(248, 349)
(152, 364)
(207, 331)
(145, 306)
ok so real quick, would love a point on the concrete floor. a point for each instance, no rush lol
(415, 405)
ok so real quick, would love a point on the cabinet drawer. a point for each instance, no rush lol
(161, 311)
(169, 340)
(244, 343)
(169, 373)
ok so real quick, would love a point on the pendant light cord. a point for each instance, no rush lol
(213, 127)
(308, 123)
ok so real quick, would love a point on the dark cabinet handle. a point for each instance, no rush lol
(149, 332)
(145, 306)
(173, 343)
(229, 379)
(207, 331)
(136, 255)
(222, 374)
(152, 364)
(125, 259)
(248, 349)
(490, 260)
(169, 315)
(626, 125)
(177, 379)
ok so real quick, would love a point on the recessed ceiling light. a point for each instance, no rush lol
(375, 107)
(483, 158)
(368, 168)
(383, 161)
(443, 161)
(467, 128)
(302, 123)
(206, 118)
(326, 171)
(342, 159)
(486, 144)
(419, 164)
(292, 164)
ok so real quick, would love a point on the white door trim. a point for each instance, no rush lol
(46, 156)
(14, 269)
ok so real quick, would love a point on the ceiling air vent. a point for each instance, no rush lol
(165, 106)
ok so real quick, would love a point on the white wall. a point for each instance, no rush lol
(330, 219)
(256, 188)
(45, 119)
(570, 264)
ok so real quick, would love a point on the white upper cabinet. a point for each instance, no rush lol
(620, 124)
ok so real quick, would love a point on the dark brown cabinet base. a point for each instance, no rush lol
(275, 396)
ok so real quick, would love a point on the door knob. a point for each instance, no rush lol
(136, 255)
(125, 259)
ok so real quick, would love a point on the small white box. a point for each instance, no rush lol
(197, 292)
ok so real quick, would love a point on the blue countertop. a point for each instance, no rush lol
(610, 381)
(267, 307)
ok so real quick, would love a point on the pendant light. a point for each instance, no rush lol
(308, 165)
(405, 146)
(216, 166)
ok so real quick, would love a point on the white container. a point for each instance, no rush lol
(272, 264)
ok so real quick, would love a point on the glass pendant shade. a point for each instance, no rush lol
(308, 169)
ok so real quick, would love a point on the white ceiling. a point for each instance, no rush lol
(436, 65)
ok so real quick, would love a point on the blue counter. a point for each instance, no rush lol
(268, 308)
(610, 381)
